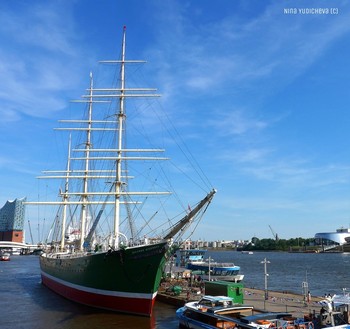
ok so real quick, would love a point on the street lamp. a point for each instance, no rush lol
(209, 259)
(265, 262)
(305, 287)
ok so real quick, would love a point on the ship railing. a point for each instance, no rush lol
(66, 254)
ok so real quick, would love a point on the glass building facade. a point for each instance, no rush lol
(12, 216)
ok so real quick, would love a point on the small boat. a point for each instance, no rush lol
(213, 312)
(193, 260)
(214, 271)
(191, 256)
(220, 312)
(104, 251)
(335, 312)
(5, 257)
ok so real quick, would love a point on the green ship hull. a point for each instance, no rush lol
(125, 281)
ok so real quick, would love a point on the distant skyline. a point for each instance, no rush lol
(262, 93)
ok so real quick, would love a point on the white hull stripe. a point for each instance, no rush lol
(99, 291)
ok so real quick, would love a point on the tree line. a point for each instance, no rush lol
(280, 244)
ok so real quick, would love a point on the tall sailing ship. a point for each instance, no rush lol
(114, 270)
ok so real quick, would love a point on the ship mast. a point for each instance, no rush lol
(121, 117)
(65, 198)
(85, 196)
(86, 171)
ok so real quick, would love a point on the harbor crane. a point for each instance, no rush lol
(273, 233)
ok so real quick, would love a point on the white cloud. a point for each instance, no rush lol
(38, 49)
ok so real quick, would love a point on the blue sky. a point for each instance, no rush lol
(260, 96)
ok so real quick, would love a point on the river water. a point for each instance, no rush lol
(26, 304)
(324, 273)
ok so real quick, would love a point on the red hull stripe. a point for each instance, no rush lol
(120, 302)
(99, 291)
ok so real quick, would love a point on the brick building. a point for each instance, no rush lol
(12, 221)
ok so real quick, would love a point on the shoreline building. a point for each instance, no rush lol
(12, 216)
(339, 238)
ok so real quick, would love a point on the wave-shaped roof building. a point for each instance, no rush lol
(340, 237)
